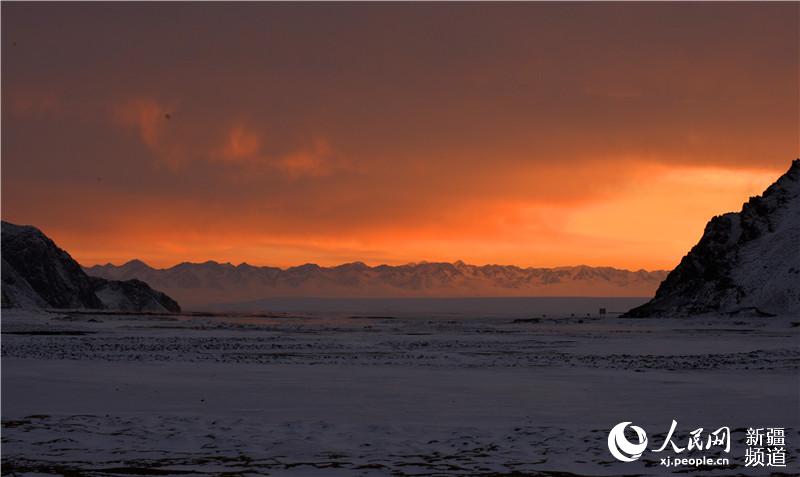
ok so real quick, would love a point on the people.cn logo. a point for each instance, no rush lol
(621, 447)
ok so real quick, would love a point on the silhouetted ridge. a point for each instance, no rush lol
(38, 274)
(745, 262)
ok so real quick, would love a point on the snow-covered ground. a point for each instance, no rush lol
(426, 393)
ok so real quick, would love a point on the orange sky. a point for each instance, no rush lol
(528, 134)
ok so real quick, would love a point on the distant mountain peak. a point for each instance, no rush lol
(357, 265)
(136, 263)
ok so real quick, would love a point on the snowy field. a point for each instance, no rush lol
(386, 388)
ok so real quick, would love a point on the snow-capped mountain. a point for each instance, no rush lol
(36, 273)
(746, 262)
(197, 284)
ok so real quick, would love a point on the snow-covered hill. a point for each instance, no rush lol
(36, 273)
(746, 262)
(197, 284)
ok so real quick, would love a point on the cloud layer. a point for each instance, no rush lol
(533, 134)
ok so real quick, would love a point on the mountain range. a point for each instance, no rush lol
(198, 284)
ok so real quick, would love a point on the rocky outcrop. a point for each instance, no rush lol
(132, 295)
(37, 273)
(746, 262)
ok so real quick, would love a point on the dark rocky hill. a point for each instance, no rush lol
(37, 273)
(746, 262)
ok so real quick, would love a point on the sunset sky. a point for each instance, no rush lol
(279, 134)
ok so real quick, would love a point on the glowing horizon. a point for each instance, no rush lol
(731, 186)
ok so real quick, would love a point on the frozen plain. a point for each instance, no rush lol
(422, 388)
